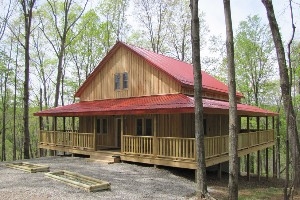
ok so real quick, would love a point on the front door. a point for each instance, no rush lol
(118, 126)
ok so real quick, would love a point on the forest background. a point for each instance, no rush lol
(68, 38)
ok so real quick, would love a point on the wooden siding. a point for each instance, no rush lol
(108, 139)
(143, 79)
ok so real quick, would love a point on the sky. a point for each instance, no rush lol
(240, 9)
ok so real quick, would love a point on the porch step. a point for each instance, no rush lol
(105, 158)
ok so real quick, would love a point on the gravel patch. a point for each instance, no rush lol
(128, 181)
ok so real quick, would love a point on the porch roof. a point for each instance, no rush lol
(158, 104)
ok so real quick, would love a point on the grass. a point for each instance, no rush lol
(261, 193)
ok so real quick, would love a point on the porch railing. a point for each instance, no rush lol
(185, 148)
(173, 147)
(138, 145)
(68, 139)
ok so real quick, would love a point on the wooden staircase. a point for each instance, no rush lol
(108, 157)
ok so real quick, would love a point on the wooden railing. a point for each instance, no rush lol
(215, 146)
(68, 139)
(185, 148)
(174, 147)
(142, 145)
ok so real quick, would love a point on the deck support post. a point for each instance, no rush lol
(274, 163)
(220, 171)
(248, 167)
(267, 152)
(258, 165)
(267, 163)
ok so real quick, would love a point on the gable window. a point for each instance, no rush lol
(125, 80)
(117, 81)
(101, 126)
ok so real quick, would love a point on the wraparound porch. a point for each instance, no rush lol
(168, 151)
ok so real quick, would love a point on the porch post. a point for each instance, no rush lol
(55, 134)
(94, 132)
(248, 155)
(41, 152)
(73, 130)
(64, 130)
(155, 136)
(122, 133)
(248, 130)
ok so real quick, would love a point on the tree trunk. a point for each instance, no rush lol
(199, 131)
(27, 6)
(286, 96)
(233, 154)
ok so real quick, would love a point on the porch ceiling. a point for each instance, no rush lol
(158, 104)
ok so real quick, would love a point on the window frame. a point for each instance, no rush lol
(117, 81)
(125, 81)
(100, 125)
(142, 130)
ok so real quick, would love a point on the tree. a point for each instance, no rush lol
(254, 66)
(113, 13)
(63, 19)
(286, 94)
(27, 7)
(233, 154)
(155, 17)
(199, 131)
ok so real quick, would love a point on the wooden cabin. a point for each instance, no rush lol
(139, 105)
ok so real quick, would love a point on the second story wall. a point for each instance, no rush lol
(143, 79)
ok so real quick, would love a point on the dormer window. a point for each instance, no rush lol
(125, 80)
(117, 81)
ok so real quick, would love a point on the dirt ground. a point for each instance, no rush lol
(129, 181)
(271, 188)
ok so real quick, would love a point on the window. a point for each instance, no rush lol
(98, 128)
(117, 81)
(148, 127)
(125, 80)
(204, 126)
(101, 126)
(144, 127)
(139, 127)
(104, 126)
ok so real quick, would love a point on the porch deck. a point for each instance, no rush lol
(168, 151)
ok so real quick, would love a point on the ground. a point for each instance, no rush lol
(128, 181)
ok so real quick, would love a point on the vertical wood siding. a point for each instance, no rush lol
(143, 79)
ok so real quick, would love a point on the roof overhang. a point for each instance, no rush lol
(159, 104)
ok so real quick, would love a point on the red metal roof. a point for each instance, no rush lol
(180, 71)
(159, 104)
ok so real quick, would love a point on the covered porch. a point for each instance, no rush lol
(169, 151)
(156, 130)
